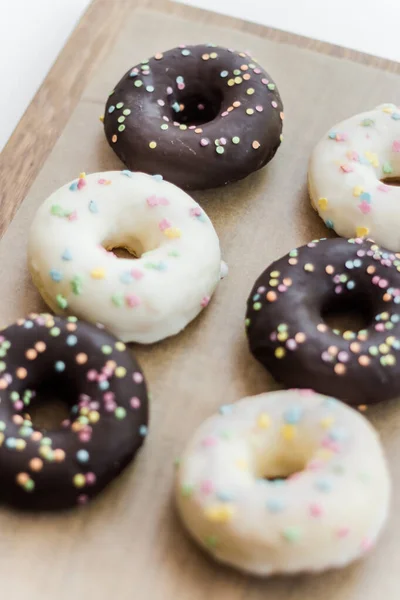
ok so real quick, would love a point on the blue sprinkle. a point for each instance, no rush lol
(256, 297)
(332, 135)
(72, 340)
(329, 224)
(179, 79)
(74, 409)
(111, 109)
(226, 409)
(74, 186)
(143, 430)
(104, 385)
(157, 177)
(162, 267)
(395, 318)
(67, 254)
(350, 285)
(56, 275)
(293, 415)
(176, 107)
(337, 434)
(323, 485)
(365, 196)
(277, 482)
(385, 255)
(275, 505)
(330, 402)
(349, 264)
(133, 73)
(93, 207)
(396, 116)
(127, 173)
(59, 366)
(357, 262)
(149, 88)
(82, 456)
(11, 442)
(225, 496)
(28, 324)
(396, 345)
(126, 277)
(224, 73)
(363, 160)
(396, 299)
(185, 52)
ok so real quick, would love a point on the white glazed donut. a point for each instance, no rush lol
(328, 513)
(144, 299)
(346, 174)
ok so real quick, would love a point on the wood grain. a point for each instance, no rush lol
(49, 111)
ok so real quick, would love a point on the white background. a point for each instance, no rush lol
(32, 32)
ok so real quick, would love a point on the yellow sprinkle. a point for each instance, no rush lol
(82, 175)
(275, 274)
(231, 82)
(362, 231)
(94, 416)
(384, 349)
(309, 267)
(120, 346)
(1, 438)
(153, 145)
(288, 432)
(387, 109)
(273, 282)
(79, 480)
(219, 513)
(323, 203)
(280, 352)
(327, 422)
(348, 335)
(241, 464)
(357, 191)
(101, 118)
(390, 360)
(98, 274)
(172, 232)
(250, 91)
(372, 158)
(264, 421)
(282, 336)
(120, 372)
(390, 340)
(238, 80)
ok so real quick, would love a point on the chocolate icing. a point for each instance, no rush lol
(108, 421)
(286, 329)
(201, 116)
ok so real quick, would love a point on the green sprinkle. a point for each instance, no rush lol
(292, 534)
(121, 119)
(118, 299)
(46, 441)
(387, 168)
(126, 112)
(2, 366)
(57, 210)
(257, 306)
(120, 105)
(235, 139)
(120, 412)
(2, 426)
(174, 253)
(373, 350)
(138, 83)
(106, 349)
(29, 486)
(14, 396)
(55, 331)
(187, 490)
(247, 322)
(271, 86)
(121, 128)
(72, 319)
(367, 122)
(219, 150)
(61, 301)
(164, 126)
(76, 285)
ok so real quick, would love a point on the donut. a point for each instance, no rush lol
(290, 301)
(202, 116)
(175, 262)
(105, 388)
(284, 482)
(352, 176)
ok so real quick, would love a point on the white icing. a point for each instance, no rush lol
(327, 515)
(345, 176)
(144, 299)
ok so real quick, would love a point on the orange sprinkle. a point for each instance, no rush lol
(364, 360)
(300, 337)
(362, 407)
(271, 296)
(355, 347)
(59, 455)
(339, 369)
(36, 436)
(256, 145)
(114, 139)
(31, 354)
(21, 373)
(22, 478)
(198, 130)
(81, 358)
(40, 346)
(236, 104)
(329, 269)
(36, 464)
(71, 326)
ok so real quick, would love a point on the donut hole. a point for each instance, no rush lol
(51, 406)
(129, 248)
(197, 108)
(348, 312)
(286, 460)
(392, 181)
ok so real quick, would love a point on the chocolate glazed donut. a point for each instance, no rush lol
(106, 390)
(288, 335)
(201, 116)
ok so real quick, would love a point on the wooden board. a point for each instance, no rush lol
(129, 543)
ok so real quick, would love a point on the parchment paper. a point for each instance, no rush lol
(129, 543)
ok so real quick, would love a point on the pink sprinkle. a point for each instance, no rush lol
(360, 253)
(326, 357)
(380, 327)
(282, 287)
(366, 544)
(264, 81)
(107, 372)
(81, 183)
(18, 405)
(169, 90)
(164, 224)
(207, 487)
(94, 405)
(315, 465)
(225, 113)
(196, 211)
(205, 301)
(274, 104)
(272, 336)
(222, 141)
(316, 509)
(137, 377)
(331, 445)
(83, 499)
(110, 407)
(132, 300)
(136, 274)
(73, 216)
(152, 201)
(259, 108)
(102, 377)
(383, 188)
(204, 142)
(102, 181)
(160, 102)
(84, 398)
(135, 402)
(364, 207)
(346, 168)
(90, 478)
(2, 338)
(200, 106)
(261, 290)
(66, 423)
(383, 283)
(342, 532)
(92, 375)
(181, 86)
(209, 441)
(291, 344)
(396, 146)
(109, 397)
(375, 279)
(257, 71)
(192, 127)
(8, 378)
(341, 137)
(338, 289)
(343, 356)
(84, 436)
(352, 155)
